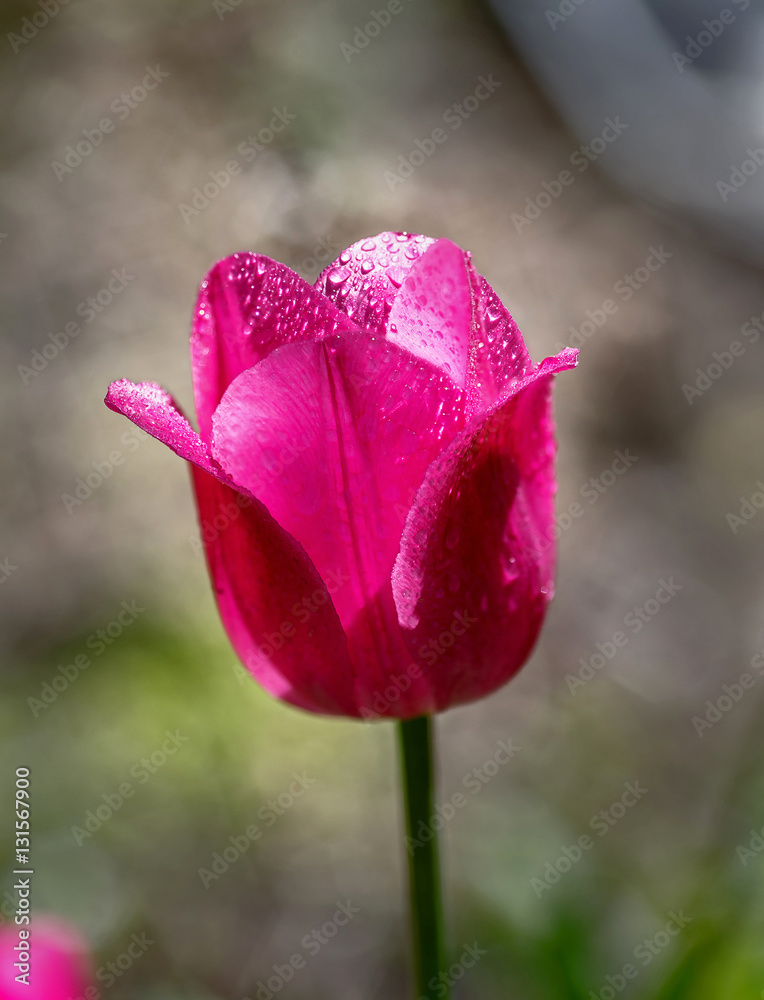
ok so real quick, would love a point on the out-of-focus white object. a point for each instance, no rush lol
(686, 76)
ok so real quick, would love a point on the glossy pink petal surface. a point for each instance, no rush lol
(259, 571)
(335, 438)
(247, 305)
(365, 278)
(60, 964)
(475, 570)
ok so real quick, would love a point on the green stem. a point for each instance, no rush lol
(415, 740)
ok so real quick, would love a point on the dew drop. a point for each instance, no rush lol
(337, 278)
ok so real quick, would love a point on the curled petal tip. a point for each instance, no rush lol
(564, 361)
(123, 390)
(113, 392)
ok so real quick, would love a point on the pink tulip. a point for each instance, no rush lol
(58, 962)
(374, 473)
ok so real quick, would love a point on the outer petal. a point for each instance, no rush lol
(335, 438)
(475, 570)
(259, 571)
(365, 278)
(247, 305)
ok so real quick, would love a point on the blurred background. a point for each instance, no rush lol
(605, 165)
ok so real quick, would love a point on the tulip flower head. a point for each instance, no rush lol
(374, 474)
(48, 961)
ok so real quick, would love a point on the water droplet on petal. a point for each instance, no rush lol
(337, 278)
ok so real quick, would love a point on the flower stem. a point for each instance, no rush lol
(416, 749)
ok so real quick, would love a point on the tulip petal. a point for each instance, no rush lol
(276, 609)
(365, 278)
(335, 438)
(448, 314)
(258, 570)
(432, 313)
(247, 305)
(399, 279)
(475, 570)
